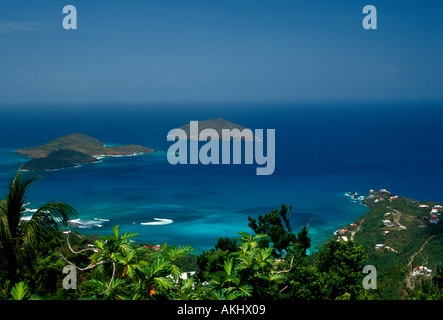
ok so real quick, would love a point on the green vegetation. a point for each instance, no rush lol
(19, 239)
(73, 149)
(269, 263)
(218, 124)
(411, 241)
(59, 159)
(276, 225)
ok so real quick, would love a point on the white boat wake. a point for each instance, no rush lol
(159, 222)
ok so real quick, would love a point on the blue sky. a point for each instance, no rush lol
(203, 51)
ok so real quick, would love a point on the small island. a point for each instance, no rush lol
(218, 124)
(72, 150)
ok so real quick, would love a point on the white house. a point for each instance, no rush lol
(421, 271)
(387, 223)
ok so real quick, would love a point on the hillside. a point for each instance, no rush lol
(81, 143)
(399, 234)
(73, 149)
(59, 159)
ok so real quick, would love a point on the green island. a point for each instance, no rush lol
(218, 124)
(73, 150)
(400, 237)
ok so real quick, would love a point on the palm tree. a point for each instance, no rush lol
(19, 238)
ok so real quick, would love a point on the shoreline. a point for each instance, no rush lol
(98, 160)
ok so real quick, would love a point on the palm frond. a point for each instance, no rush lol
(48, 217)
(17, 236)
(14, 205)
(54, 214)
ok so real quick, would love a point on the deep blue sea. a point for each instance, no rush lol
(322, 152)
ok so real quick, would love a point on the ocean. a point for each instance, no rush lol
(322, 152)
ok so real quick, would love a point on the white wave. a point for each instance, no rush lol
(159, 222)
(102, 156)
(85, 224)
(28, 210)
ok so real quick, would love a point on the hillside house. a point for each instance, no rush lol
(387, 223)
(421, 271)
(434, 219)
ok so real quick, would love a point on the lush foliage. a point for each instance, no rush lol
(269, 263)
(416, 242)
(19, 238)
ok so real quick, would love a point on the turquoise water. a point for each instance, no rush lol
(320, 155)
